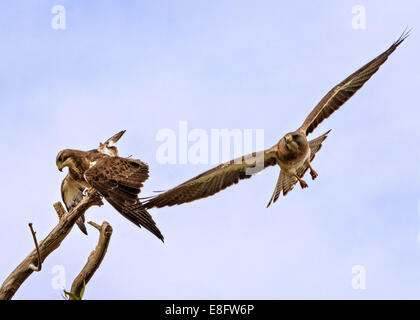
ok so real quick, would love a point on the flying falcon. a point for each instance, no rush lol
(117, 179)
(293, 153)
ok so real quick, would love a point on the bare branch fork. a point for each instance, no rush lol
(34, 260)
(39, 266)
(94, 260)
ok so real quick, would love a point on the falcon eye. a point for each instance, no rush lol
(62, 158)
(295, 136)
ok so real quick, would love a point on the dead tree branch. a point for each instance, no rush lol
(94, 260)
(48, 245)
(38, 267)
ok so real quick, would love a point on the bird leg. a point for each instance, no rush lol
(303, 184)
(89, 191)
(312, 171)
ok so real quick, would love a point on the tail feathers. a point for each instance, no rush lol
(285, 183)
(142, 218)
(136, 214)
(288, 183)
(277, 190)
(81, 224)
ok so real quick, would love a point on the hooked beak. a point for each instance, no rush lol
(289, 139)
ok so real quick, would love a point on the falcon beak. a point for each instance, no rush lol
(289, 139)
(60, 169)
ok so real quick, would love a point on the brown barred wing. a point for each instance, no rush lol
(214, 180)
(119, 180)
(342, 92)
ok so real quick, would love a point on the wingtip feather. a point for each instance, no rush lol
(403, 36)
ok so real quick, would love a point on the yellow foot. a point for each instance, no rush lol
(303, 184)
(313, 174)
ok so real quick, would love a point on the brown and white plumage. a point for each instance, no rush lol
(293, 153)
(72, 194)
(214, 180)
(117, 179)
(342, 92)
(72, 191)
(286, 182)
(109, 147)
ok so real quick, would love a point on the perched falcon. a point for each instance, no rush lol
(293, 153)
(117, 179)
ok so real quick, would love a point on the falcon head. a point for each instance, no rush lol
(64, 159)
(294, 141)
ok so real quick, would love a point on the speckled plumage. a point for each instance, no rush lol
(117, 179)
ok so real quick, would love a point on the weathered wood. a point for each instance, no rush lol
(94, 260)
(48, 245)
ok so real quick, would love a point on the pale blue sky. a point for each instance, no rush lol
(146, 65)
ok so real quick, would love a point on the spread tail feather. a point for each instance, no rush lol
(285, 182)
(277, 190)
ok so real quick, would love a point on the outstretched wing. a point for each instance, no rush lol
(342, 92)
(72, 194)
(119, 180)
(215, 180)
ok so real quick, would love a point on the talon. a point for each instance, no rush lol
(313, 172)
(314, 175)
(303, 184)
(89, 190)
